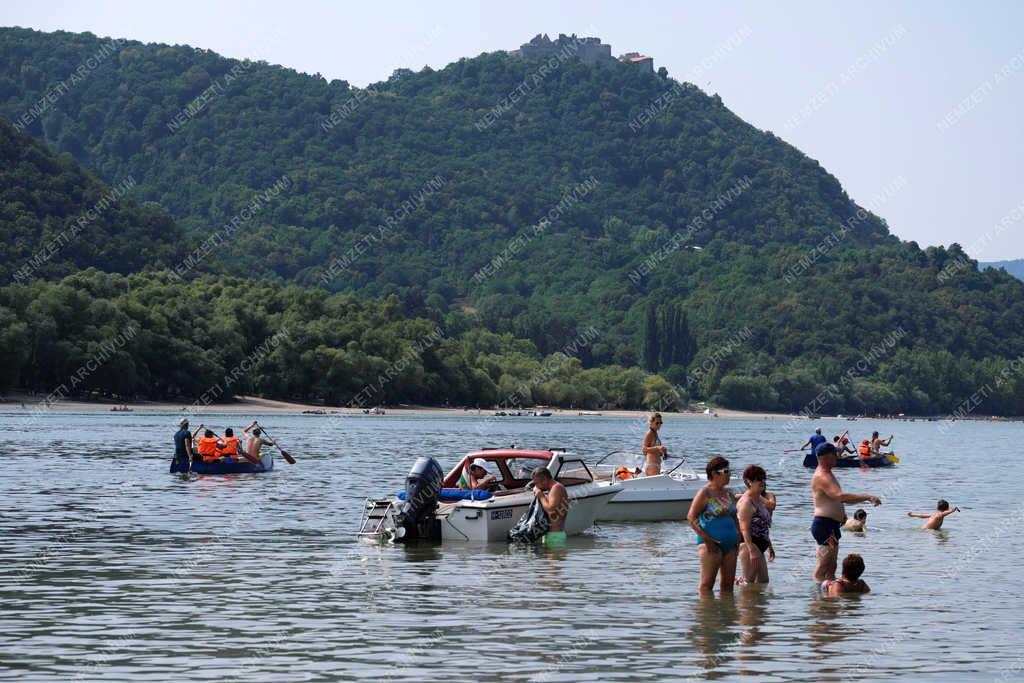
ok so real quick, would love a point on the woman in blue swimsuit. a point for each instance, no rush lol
(713, 518)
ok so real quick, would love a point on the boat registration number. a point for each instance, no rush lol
(502, 514)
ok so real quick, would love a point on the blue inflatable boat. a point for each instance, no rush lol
(811, 460)
(240, 466)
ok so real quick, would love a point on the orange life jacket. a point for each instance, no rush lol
(207, 447)
(865, 449)
(230, 447)
(623, 473)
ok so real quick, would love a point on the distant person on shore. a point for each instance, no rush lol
(815, 440)
(654, 452)
(754, 513)
(877, 443)
(712, 517)
(860, 518)
(183, 444)
(830, 511)
(553, 497)
(850, 583)
(935, 518)
(254, 441)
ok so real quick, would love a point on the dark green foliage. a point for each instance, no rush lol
(791, 289)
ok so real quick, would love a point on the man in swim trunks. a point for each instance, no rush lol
(555, 501)
(830, 511)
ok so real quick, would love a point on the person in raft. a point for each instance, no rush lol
(830, 511)
(207, 445)
(877, 443)
(754, 513)
(254, 441)
(229, 447)
(654, 452)
(860, 518)
(553, 498)
(843, 447)
(712, 517)
(850, 583)
(815, 440)
(935, 518)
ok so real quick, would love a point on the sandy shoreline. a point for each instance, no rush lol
(249, 405)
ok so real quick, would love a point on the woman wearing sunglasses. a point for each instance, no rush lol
(654, 452)
(713, 518)
(754, 513)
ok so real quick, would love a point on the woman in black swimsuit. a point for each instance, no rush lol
(754, 511)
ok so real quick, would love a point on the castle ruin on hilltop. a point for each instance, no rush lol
(589, 50)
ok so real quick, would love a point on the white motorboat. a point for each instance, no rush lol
(437, 509)
(655, 498)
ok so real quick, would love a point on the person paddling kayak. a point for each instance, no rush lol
(815, 440)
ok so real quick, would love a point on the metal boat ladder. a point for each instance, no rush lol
(378, 520)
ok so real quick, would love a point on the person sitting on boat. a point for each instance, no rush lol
(654, 452)
(815, 440)
(479, 477)
(208, 445)
(228, 445)
(183, 443)
(255, 440)
(865, 449)
(843, 447)
(553, 498)
(877, 443)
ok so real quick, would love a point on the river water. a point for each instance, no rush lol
(113, 569)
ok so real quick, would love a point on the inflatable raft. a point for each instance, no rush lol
(240, 466)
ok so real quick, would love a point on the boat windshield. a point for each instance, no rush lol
(573, 471)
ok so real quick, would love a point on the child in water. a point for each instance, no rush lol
(850, 582)
(860, 518)
(935, 519)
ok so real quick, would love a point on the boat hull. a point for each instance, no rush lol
(241, 466)
(810, 460)
(491, 520)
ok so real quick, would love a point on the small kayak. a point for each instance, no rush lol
(240, 466)
(811, 460)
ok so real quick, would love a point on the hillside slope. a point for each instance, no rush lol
(545, 198)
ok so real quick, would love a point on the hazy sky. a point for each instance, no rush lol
(915, 106)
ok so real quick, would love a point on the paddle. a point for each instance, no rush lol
(285, 454)
(892, 457)
(792, 450)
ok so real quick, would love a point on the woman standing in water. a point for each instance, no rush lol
(754, 513)
(713, 518)
(654, 452)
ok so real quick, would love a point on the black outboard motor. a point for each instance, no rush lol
(422, 490)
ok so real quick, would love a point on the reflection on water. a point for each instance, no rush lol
(111, 568)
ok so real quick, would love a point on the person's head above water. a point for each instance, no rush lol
(942, 505)
(860, 515)
(853, 567)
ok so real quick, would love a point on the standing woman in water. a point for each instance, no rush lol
(754, 513)
(654, 452)
(713, 518)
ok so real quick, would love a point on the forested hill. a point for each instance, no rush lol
(1014, 268)
(543, 197)
(55, 218)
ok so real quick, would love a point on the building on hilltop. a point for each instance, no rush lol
(590, 50)
(642, 62)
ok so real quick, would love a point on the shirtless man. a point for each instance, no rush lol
(480, 478)
(555, 501)
(254, 441)
(877, 443)
(830, 511)
(935, 519)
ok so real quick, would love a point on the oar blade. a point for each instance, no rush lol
(288, 457)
